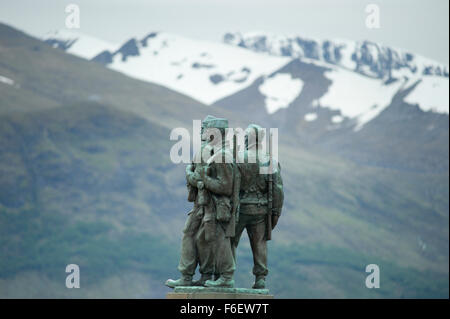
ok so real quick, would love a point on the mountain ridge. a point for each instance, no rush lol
(199, 69)
(381, 61)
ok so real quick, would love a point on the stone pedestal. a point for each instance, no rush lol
(218, 293)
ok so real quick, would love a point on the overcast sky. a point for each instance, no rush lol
(420, 26)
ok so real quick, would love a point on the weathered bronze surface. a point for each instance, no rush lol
(230, 194)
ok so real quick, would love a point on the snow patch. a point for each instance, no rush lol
(280, 90)
(357, 96)
(82, 45)
(5, 80)
(309, 117)
(234, 68)
(336, 119)
(431, 94)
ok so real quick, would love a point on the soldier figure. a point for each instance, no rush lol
(255, 201)
(208, 230)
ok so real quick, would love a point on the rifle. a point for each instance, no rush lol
(269, 193)
(230, 231)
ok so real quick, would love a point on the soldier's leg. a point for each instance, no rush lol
(224, 251)
(205, 248)
(256, 233)
(240, 226)
(189, 256)
(225, 265)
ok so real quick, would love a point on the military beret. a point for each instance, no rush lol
(214, 122)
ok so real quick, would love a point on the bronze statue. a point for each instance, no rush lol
(261, 200)
(230, 194)
(210, 225)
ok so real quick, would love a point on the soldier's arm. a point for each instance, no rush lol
(223, 184)
(278, 193)
(192, 177)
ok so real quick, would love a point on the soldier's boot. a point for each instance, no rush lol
(183, 281)
(202, 280)
(223, 281)
(260, 282)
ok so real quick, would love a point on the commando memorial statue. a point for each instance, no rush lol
(231, 191)
(261, 199)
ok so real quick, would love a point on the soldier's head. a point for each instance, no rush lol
(254, 135)
(213, 129)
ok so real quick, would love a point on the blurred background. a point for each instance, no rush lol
(90, 91)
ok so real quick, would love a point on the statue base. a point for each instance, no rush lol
(218, 293)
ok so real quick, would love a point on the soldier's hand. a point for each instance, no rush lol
(196, 176)
(193, 178)
(202, 173)
(274, 220)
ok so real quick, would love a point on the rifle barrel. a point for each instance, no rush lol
(270, 192)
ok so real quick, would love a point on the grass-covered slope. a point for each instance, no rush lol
(46, 77)
(92, 185)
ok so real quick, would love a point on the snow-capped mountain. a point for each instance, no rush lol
(79, 44)
(354, 81)
(365, 119)
(304, 83)
(365, 57)
(355, 96)
(206, 71)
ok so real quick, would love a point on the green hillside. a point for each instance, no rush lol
(85, 178)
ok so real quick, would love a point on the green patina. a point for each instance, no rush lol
(228, 197)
